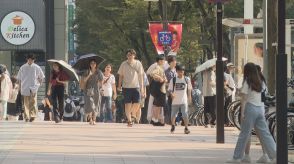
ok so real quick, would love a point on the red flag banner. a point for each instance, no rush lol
(154, 29)
(175, 29)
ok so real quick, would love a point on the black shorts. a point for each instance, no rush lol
(131, 95)
(160, 100)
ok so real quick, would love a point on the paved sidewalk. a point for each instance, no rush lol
(80, 143)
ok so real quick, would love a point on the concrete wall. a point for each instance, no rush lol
(60, 29)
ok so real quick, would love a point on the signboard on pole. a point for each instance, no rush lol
(165, 38)
(172, 37)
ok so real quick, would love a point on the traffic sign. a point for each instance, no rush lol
(165, 38)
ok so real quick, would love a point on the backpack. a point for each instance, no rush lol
(69, 106)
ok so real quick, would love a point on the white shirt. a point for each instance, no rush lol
(131, 73)
(30, 77)
(230, 82)
(209, 83)
(6, 87)
(153, 66)
(180, 90)
(107, 86)
(253, 97)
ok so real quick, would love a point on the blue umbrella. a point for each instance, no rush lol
(83, 62)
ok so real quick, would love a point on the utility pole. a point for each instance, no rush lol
(271, 38)
(219, 77)
(265, 40)
(165, 22)
(281, 88)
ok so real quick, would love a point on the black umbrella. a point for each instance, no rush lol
(84, 61)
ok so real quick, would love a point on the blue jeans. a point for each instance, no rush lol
(254, 118)
(106, 111)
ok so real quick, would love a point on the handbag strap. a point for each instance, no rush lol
(133, 67)
(106, 80)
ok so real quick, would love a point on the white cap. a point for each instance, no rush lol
(230, 65)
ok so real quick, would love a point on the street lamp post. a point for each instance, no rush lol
(219, 78)
(165, 23)
(220, 137)
(281, 88)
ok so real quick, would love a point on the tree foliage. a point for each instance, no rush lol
(109, 27)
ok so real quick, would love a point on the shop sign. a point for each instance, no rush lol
(17, 28)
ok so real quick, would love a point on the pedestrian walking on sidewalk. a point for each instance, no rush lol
(108, 94)
(180, 88)
(209, 93)
(58, 80)
(264, 158)
(158, 91)
(5, 91)
(131, 80)
(170, 73)
(92, 80)
(252, 112)
(229, 86)
(12, 110)
(30, 77)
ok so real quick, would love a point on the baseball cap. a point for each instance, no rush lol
(230, 65)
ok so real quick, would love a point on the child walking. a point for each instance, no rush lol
(180, 90)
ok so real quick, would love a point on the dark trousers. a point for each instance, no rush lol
(58, 100)
(228, 100)
(167, 110)
(210, 109)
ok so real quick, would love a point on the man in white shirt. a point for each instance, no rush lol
(229, 88)
(131, 74)
(209, 94)
(30, 77)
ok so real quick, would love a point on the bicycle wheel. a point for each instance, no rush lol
(237, 117)
(200, 117)
(231, 110)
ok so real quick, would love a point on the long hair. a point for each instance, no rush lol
(53, 73)
(95, 62)
(13, 80)
(262, 78)
(251, 76)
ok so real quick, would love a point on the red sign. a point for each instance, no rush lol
(176, 31)
(246, 21)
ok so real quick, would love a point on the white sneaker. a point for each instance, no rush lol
(246, 159)
(263, 159)
(233, 160)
